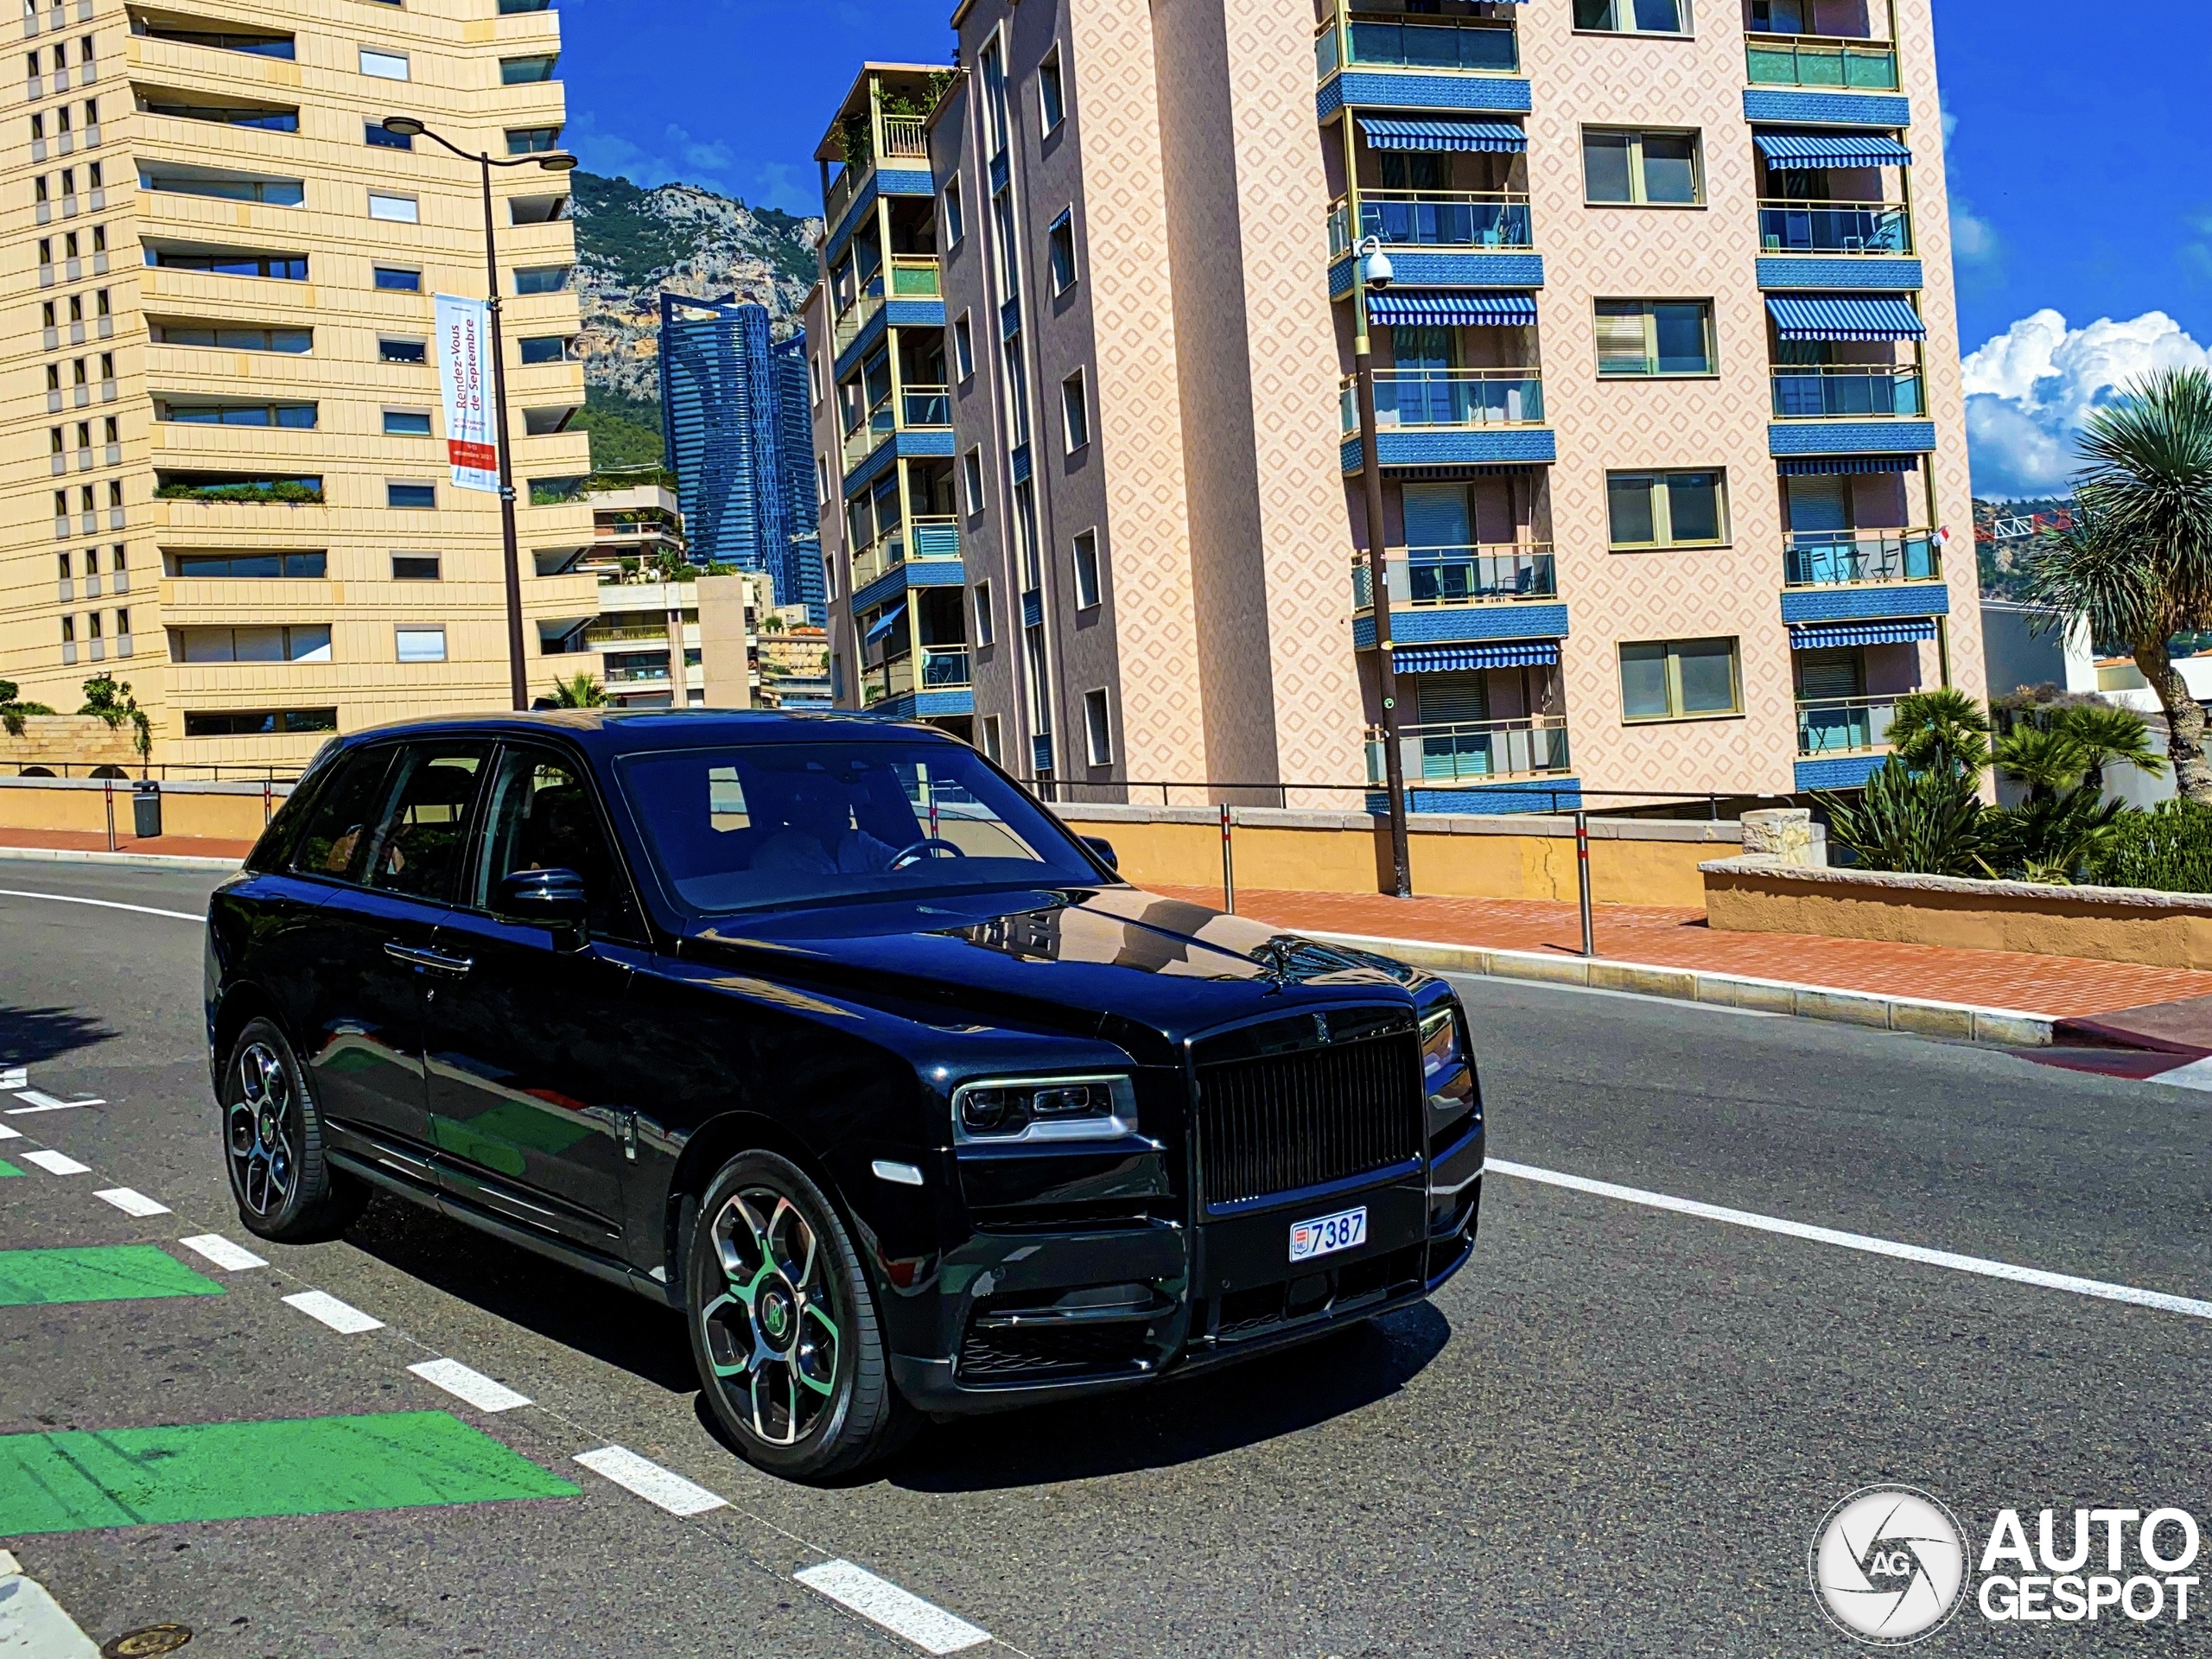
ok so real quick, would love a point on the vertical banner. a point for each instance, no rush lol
(465, 380)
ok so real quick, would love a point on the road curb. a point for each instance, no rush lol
(128, 861)
(1918, 1016)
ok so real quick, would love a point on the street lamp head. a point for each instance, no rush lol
(558, 162)
(1375, 264)
(404, 126)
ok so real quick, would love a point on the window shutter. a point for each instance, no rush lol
(1621, 346)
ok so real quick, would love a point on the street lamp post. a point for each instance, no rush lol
(406, 126)
(1371, 266)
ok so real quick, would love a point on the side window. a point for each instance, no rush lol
(419, 840)
(543, 815)
(336, 837)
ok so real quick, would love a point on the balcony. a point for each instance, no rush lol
(1832, 725)
(914, 408)
(920, 541)
(902, 142)
(1393, 42)
(1433, 218)
(1475, 752)
(1457, 398)
(1878, 227)
(1811, 393)
(1820, 61)
(1421, 578)
(1846, 558)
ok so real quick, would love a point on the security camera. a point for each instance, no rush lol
(1375, 264)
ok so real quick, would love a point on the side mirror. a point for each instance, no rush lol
(1104, 849)
(553, 898)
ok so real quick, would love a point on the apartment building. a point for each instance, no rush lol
(226, 478)
(1669, 424)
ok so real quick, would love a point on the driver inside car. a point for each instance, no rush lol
(819, 837)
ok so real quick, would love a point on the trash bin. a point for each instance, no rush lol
(146, 810)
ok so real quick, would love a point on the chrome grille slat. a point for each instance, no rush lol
(1280, 1123)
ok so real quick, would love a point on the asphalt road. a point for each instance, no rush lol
(1615, 1433)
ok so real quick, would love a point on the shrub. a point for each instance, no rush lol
(1918, 822)
(2167, 850)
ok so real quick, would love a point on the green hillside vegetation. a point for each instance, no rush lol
(625, 431)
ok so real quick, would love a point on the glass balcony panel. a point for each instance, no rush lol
(1834, 227)
(914, 276)
(1797, 61)
(1485, 47)
(1449, 397)
(894, 678)
(1812, 393)
(934, 537)
(1845, 725)
(1476, 751)
(944, 668)
(1836, 558)
(1445, 219)
(927, 406)
(1428, 577)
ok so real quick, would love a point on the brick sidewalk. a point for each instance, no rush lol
(2057, 986)
(73, 841)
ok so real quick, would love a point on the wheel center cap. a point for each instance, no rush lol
(267, 1127)
(776, 1314)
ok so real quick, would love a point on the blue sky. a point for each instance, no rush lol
(2083, 219)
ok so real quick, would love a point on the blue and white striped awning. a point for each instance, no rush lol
(1476, 307)
(1806, 149)
(885, 623)
(1823, 636)
(1833, 465)
(1845, 316)
(1455, 659)
(1383, 133)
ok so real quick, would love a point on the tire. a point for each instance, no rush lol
(784, 1325)
(272, 1145)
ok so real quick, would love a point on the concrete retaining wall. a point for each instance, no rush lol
(215, 811)
(77, 741)
(1763, 895)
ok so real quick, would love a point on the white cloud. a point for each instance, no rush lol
(2030, 388)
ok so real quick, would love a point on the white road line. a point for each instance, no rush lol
(57, 1163)
(45, 1103)
(14, 1076)
(1631, 996)
(130, 1203)
(232, 1258)
(1975, 1264)
(480, 1390)
(7, 1134)
(928, 1627)
(649, 1481)
(321, 1304)
(103, 904)
(2197, 1074)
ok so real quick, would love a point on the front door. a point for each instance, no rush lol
(532, 1066)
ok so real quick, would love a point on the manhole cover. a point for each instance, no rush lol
(154, 1638)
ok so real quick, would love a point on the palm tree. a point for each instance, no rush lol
(2108, 735)
(1941, 726)
(580, 691)
(2137, 565)
(2050, 762)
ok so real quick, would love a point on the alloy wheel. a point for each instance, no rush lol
(262, 1159)
(771, 1336)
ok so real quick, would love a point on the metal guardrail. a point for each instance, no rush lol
(1845, 725)
(1837, 558)
(1834, 227)
(1422, 577)
(1447, 398)
(1819, 392)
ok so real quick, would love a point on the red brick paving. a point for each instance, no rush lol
(92, 841)
(1678, 938)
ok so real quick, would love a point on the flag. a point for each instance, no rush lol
(465, 381)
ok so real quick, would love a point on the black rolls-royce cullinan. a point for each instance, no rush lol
(822, 1031)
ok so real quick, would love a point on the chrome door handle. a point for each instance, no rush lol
(435, 961)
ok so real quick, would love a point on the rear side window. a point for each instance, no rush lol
(419, 840)
(337, 833)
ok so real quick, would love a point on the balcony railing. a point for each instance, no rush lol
(1393, 42)
(1841, 558)
(1433, 219)
(922, 540)
(843, 187)
(1845, 725)
(1834, 227)
(1447, 398)
(860, 312)
(1816, 393)
(944, 668)
(1426, 577)
(1474, 752)
(894, 678)
(914, 276)
(925, 406)
(1819, 60)
(905, 138)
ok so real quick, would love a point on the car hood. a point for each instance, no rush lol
(1079, 957)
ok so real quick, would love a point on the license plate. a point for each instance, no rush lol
(1326, 1235)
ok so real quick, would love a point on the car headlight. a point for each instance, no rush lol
(1045, 1109)
(1446, 1078)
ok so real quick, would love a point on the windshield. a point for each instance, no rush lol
(761, 825)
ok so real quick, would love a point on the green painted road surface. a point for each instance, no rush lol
(80, 1479)
(8, 1169)
(107, 1273)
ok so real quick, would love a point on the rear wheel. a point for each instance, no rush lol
(272, 1137)
(784, 1325)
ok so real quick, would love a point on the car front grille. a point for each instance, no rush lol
(1011, 1353)
(1270, 1123)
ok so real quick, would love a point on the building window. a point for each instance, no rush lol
(253, 566)
(299, 416)
(374, 132)
(822, 480)
(986, 627)
(1087, 587)
(421, 645)
(1654, 337)
(397, 210)
(994, 742)
(277, 267)
(518, 71)
(813, 381)
(1654, 167)
(403, 351)
(297, 643)
(1680, 679)
(399, 280)
(410, 495)
(383, 66)
(971, 480)
(529, 141)
(964, 348)
(1634, 16)
(415, 567)
(543, 348)
(1682, 509)
(1096, 729)
(1075, 411)
(1052, 101)
(260, 724)
(541, 279)
(407, 424)
(956, 216)
(1059, 252)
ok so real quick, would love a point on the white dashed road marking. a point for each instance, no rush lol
(2197, 1074)
(7, 1134)
(14, 1076)
(928, 1627)
(130, 1203)
(321, 1304)
(1957, 1264)
(103, 904)
(480, 1390)
(57, 1163)
(232, 1258)
(649, 1481)
(41, 1102)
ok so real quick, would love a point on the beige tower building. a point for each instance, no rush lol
(1668, 416)
(225, 476)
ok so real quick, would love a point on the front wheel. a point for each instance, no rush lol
(272, 1142)
(783, 1326)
